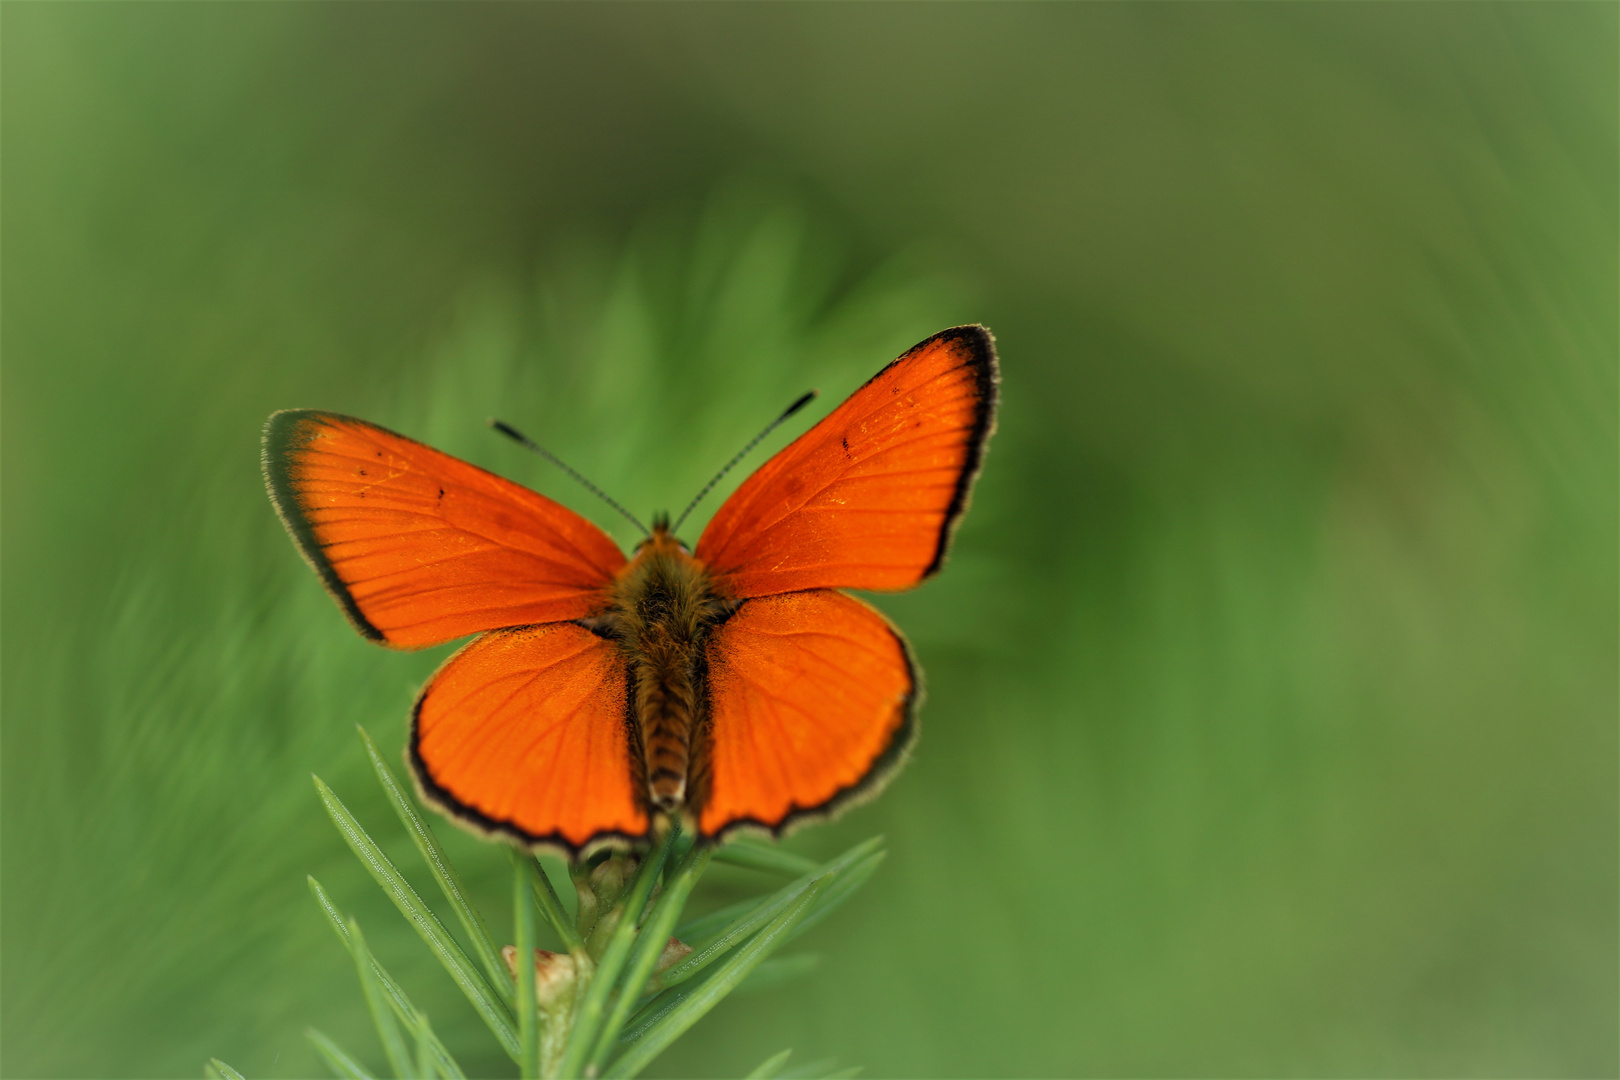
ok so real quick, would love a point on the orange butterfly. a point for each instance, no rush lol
(731, 683)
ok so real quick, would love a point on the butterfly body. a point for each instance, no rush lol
(663, 608)
(734, 685)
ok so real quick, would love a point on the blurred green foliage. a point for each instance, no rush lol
(1273, 686)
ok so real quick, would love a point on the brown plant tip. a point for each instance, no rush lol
(554, 975)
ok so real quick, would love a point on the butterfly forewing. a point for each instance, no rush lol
(524, 732)
(419, 547)
(868, 497)
(810, 697)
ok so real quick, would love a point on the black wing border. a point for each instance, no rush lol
(285, 434)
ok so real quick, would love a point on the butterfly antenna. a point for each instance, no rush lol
(523, 440)
(755, 441)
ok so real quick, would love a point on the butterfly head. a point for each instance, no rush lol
(660, 536)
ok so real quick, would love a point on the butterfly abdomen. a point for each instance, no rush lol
(668, 708)
(664, 608)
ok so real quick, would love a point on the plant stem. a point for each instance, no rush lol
(528, 1015)
(551, 907)
(650, 944)
(589, 1018)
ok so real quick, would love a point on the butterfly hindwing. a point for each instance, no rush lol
(868, 498)
(419, 547)
(811, 697)
(525, 732)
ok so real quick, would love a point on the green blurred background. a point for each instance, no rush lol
(1273, 685)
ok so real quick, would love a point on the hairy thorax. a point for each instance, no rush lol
(663, 608)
